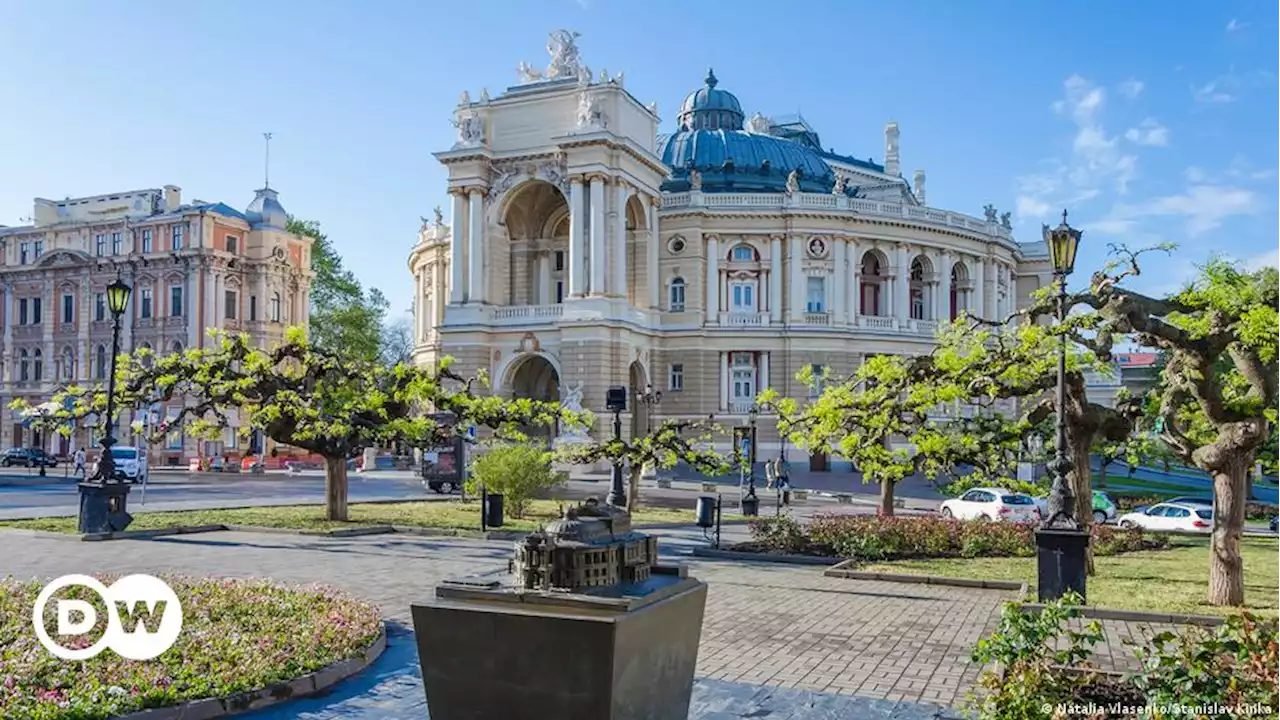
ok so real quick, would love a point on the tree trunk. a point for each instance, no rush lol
(633, 487)
(335, 488)
(1102, 473)
(886, 498)
(1226, 569)
(1081, 479)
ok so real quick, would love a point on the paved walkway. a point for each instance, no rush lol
(785, 627)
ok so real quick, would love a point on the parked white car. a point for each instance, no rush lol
(992, 504)
(131, 463)
(1184, 517)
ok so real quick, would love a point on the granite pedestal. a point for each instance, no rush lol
(621, 652)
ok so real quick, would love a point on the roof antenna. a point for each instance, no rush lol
(266, 170)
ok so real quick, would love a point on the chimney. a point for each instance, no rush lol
(891, 149)
(919, 184)
(172, 197)
(45, 212)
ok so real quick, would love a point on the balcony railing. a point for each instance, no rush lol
(739, 318)
(530, 312)
(877, 322)
(817, 319)
(740, 407)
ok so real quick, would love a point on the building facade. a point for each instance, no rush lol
(586, 250)
(192, 266)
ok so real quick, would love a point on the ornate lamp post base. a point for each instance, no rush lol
(104, 507)
(1060, 562)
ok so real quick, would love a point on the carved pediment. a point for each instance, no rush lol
(63, 257)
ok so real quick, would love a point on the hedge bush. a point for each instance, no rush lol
(875, 538)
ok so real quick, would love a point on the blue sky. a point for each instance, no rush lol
(1149, 121)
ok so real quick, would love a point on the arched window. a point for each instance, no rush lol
(742, 253)
(100, 361)
(274, 309)
(24, 365)
(958, 275)
(68, 364)
(871, 285)
(675, 295)
(149, 356)
(38, 364)
(917, 290)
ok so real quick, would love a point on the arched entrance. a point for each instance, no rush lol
(535, 216)
(639, 411)
(535, 378)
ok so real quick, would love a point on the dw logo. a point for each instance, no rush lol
(135, 636)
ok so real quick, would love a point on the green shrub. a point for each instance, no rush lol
(1233, 665)
(779, 534)
(517, 471)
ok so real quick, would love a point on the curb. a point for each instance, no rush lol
(149, 534)
(310, 684)
(1100, 613)
(841, 570)
(701, 551)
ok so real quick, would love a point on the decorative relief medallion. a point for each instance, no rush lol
(818, 247)
(675, 245)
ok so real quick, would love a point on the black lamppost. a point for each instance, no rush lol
(1061, 544)
(650, 399)
(102, 502)
(117, 300)
(616, 402)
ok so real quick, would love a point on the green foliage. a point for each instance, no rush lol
(672, 441)
(782, 534)
(518, 471)
(345, 317)
(1025, 656)
(1232, 665)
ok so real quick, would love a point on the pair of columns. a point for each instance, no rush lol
(466, 281)
(760, 368)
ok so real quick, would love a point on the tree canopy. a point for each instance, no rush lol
(345, 316)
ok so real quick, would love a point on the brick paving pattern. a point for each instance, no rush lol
(780, 626)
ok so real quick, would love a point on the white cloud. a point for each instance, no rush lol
(1130, 88)
(1270, 258)
(1202, 208)
(1032, 207)
(1110, 226)
(1234, 25)
(1195, 174)
(1215, 91)
(1148, 132)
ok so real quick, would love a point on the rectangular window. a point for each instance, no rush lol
(232, 439)
(177, 237)
(815, 295)
(148, 240)
(145, 301)
(37, 312)
(37, 249)
(676, 295)
(559, 291)
(100, 245)
(743, 381)
(559, 260)
(24, 253)
(815, 385)
(233, 246)
(231, 304)
(175, 301)
(22, 311)
(253, 308)
(117, 243)
(742, 296)
(68, 309)
(100, 307)
(175, 440)
(675, 377)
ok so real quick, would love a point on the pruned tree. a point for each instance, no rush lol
(1217, 417)
(307, 397)
(673, 441)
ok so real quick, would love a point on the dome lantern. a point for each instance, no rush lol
(710, 108)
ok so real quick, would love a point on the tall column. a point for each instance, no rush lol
(712, 284)
(206, 299)
(419, 307)
(991, 293)
(597, 279)
(577, 238)
(796, 275)
(855, 282)
(10, 303)
(775, 279)
(651, 255)
(763, 381)
(190, 310)
(619, 255)
(977, 302)
(902, 285)
(943, 306)
(476, 246)
(84, 306)
(49, 314)
(458, 249)
(839, 292)
(439, 303)
(724, 381)
(545, 294)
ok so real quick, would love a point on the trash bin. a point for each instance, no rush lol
(705, 511)
(750, 506)
(493, 510)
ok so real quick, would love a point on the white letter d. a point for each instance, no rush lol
(88, 617)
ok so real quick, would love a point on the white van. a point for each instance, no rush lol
(131, 462)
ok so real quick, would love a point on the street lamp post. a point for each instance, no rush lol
(1061, 544)
(103, 502)
(616, 402)
(650, 399)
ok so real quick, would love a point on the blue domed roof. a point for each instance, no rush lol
(739, 161)
(266, 210)
(710, 108)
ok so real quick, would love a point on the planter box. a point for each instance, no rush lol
(616, 656)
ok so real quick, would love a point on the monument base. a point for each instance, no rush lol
(622, 652)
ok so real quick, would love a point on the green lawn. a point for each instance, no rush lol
(1155, 487)
(436, 514)
(1174, 580)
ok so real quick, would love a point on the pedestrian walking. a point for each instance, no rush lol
(79, 457)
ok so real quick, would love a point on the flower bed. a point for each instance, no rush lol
(237, 636)
(873, 538)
